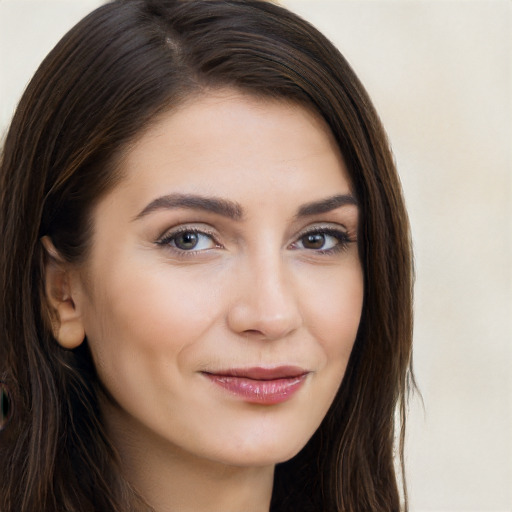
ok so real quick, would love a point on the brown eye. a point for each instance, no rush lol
(323, 241)
(313, 241)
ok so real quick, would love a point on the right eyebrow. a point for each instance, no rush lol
(223, 207)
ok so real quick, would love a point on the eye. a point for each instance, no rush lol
(323, 240)
(189, 240)
(318, 241)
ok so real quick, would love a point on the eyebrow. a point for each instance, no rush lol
(326, 205)
(234, 210)
(219, 206)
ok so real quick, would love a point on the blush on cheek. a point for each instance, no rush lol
(337, 317)
(160, 312)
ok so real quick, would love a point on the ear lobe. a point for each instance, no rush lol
(66, 319)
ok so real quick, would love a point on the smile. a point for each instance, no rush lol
(264, 386)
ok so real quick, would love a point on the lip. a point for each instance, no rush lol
(258, 385)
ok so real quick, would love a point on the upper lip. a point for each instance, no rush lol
(262, 373)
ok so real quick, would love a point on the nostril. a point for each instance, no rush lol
(253, 332)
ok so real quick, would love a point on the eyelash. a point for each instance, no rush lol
(167, 239)
(341, 236)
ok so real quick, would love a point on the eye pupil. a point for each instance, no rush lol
(314, 241)
(187, 240)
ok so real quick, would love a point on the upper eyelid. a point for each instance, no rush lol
(325, 226)
(209, 230)
(183, 228)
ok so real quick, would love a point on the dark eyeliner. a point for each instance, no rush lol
(342, 236)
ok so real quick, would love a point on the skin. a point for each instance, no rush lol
(253, 292)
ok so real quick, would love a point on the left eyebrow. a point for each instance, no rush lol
(326, 205)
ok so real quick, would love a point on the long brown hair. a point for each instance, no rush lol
(99, 88)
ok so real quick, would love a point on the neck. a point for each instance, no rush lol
(170, 479)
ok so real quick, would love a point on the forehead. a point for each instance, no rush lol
(229, 142)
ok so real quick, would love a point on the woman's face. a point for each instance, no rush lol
(223, 291)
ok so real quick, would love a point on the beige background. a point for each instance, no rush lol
(440, 73)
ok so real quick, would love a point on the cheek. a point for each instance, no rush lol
(333, 310)
(335, 313)
(147, 320)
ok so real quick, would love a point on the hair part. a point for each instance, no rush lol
(103, 84)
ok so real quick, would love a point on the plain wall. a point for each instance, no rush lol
(440, 74)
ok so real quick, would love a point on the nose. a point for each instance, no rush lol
(265, 304)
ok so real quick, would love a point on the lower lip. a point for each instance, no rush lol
(264, 392)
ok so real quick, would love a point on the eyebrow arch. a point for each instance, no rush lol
(326, 205)
(222, 207)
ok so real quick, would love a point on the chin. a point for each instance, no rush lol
(261, 452)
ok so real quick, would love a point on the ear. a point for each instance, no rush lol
(66, 318)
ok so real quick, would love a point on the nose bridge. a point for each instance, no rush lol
(273, 289)
(266, 304)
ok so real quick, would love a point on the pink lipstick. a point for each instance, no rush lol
(265, 386)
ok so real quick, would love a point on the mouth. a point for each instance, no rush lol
(264, 386)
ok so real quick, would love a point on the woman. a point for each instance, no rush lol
(206, 271)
